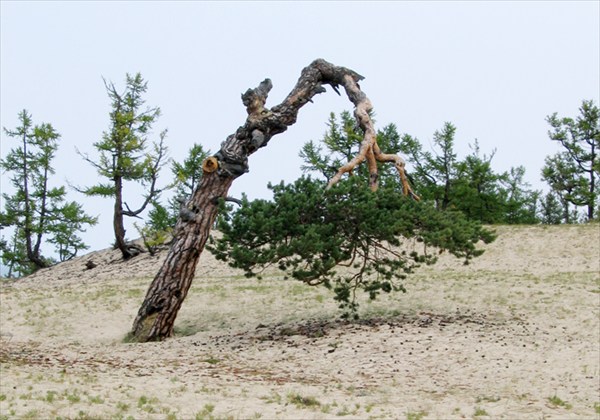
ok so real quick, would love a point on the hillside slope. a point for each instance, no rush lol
(516, 334)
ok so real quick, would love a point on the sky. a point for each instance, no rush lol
(495, 69)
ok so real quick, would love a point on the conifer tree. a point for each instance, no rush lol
(346, 238)
(580, 139)
(37, 211)
(126, 156)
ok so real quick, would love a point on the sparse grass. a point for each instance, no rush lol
(96, 400)
(73, 398)
(303, 402)
(32, 414)
(480, 412)
(231, 311)
(418, 415)
(50, 396)
(185, 330)
(146, 404)
(485, 398)
(343, 412)
(274, 398)
(122, 406)
(558, 402)
(206, 412)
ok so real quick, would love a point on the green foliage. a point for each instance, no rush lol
(521, 205)
(310, 233)
(438, 176)
(558, 402)
(158, 228)
(561, 174)
(573, 174)
(187, 176)
(469, 185)
(551, 210)
(436, 171)
(64, 234)
(477, 190)
(303, 402)
(36, 211)
(189, 172)
(125, 155)
(342, 143)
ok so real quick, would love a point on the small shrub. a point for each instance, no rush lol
(302, 402)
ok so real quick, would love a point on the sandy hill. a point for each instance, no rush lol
(514, 335)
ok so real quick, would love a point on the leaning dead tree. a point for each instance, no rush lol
(156, 316)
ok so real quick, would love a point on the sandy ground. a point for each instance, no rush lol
(514, 335)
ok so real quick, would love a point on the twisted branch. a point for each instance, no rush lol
(263, 123)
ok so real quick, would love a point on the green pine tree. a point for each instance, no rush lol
(574, 173)
(309, 231)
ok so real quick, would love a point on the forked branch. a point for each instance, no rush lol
(263, 123)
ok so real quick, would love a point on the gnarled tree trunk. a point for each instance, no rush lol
(156, 316)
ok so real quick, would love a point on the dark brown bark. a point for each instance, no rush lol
(33, 251)
(118, 225)
(156, 317)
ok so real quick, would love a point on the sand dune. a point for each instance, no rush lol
(515, 335)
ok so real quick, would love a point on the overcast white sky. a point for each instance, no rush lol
(494, 69)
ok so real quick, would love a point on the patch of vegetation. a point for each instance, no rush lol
(418, 415)
(206, 412)
(274, 398)
(185, 330)
(480, 412)
(311, 230)
(558, 402)
(96, 399)
(146, 404)
(303, 402)
(32, 414)
(50, 396)
(211, 360)
(485, 398)
(73, 398)
(122, 406)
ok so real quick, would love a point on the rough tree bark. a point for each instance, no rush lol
(156, 316)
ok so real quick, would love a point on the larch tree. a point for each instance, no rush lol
(37, 211)
(435, 171)
(126, 156)
(166, 293)
(341, 143)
